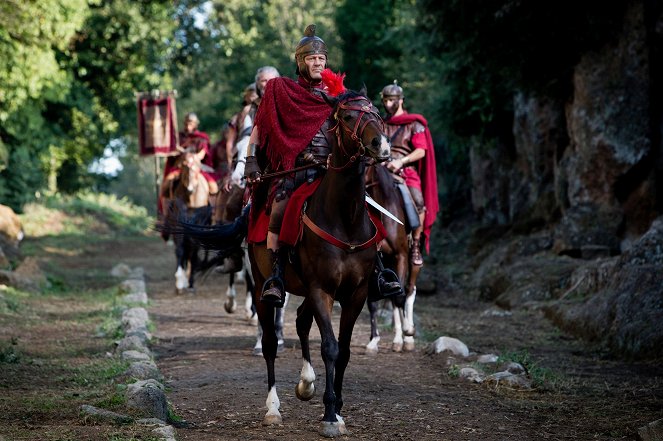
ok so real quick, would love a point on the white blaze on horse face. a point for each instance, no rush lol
(385, 147)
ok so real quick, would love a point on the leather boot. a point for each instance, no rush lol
(388, 284)
(273, 291)
(415, 253)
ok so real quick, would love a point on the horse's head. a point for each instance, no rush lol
(359, 127)
(190, 170)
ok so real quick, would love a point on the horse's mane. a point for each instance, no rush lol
(384, 179)
(347, 95)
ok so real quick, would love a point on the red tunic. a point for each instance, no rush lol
(199, 140)
(425, 168)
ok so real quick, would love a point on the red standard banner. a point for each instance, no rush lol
(157, 124)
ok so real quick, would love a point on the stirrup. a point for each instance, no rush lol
(273, 292)
(386, 286)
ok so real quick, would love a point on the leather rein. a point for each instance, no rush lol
(355, 135)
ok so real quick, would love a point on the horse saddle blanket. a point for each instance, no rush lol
(290, 228)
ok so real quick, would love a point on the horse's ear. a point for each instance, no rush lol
(329, 99)
(363, 91)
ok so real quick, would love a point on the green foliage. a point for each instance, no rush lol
(68, 70)
(118, 213)
(541, 377)
(9, 352)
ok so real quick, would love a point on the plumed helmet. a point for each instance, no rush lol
(310, 44)
(392, 90)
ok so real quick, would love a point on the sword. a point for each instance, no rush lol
(381, 209)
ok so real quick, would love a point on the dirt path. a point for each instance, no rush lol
(217, 385)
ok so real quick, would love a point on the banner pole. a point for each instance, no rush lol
(157, 174)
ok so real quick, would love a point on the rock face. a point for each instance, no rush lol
(626, 310)
(588, 167)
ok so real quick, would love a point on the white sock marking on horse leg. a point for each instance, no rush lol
(305, 389)
(273, 416)
(398, 329)
(181, 281)
(372, 345)
(408, 313)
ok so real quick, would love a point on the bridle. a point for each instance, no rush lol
(357, 131)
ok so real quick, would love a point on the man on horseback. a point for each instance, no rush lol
(194, 140)
(291, 130)
(245, 120)
(414, 161)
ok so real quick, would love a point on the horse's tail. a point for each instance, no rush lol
(222, 239)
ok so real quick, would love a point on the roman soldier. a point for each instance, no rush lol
(190, 139)
(291, 130)
(413, 158)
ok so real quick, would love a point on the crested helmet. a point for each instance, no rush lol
(392, 91)
(309, 44)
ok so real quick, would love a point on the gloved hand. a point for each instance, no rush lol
(252, 169)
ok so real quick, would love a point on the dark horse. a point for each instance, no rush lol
(381, 186)
(323, 272)
(333, 261)
(187, 201)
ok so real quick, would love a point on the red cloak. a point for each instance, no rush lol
(425, 168)
(288, 117)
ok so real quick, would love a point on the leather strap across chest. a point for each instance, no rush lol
(339, 243)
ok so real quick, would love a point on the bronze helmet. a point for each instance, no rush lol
(310, 44)
(392, 90)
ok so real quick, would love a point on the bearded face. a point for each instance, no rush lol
(391, 104)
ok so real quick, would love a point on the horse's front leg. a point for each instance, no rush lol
(192, 252)
(351, 310)
(269, 345)
(305, 389)
(372, 346)
(321, 303)
(180, 272)
(408, 309)
(231, 293)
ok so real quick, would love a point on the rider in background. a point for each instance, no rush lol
(245, 119)
(413, 158)
(191, 138)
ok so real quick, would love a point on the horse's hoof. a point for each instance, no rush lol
(257, 352)
(332, 430)
(191, 291)
(280, 347)
(397, 347)
(304, 393)
(372, 346)
(408, 346)
(229, 306)
(272, 419)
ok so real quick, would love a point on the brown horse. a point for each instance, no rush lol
(323, 270)
(381, 186)
(187, 200)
